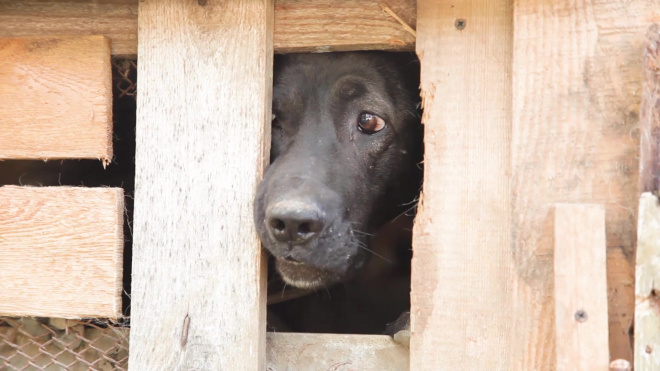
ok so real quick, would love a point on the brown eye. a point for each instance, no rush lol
(370, 123)
(276, 123)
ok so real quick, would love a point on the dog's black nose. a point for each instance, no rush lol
(294, 222)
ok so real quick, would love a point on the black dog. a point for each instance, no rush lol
(346, 153)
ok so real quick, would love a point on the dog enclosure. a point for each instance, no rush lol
(540, 136)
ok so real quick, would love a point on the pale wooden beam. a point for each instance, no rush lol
(56, 95)
(580, 288)
(309, 25)
(203, 123)
(61, 251)
(461, 268)
(647, 268)
(291, 351)
(576, 92)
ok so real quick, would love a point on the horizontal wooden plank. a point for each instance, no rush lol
(294, 351)
(61, 251)
(580, 287)
(300, 25)
(56, 95)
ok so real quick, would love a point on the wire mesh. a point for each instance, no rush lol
(59, 344)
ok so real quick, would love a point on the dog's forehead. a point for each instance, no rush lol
(303, 78)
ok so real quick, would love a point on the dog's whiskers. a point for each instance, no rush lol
(364, 247)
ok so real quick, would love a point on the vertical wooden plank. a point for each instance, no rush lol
(203, 118)
(649, 114)
(461, 269)
(647, 272)
(580, 288)
(577, 86)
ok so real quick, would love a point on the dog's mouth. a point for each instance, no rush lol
(301, 275)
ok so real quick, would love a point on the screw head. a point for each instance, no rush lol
(460, 23)
(581, 316)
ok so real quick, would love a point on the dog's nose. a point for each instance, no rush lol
(294, 222)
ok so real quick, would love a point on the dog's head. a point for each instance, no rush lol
(346, 143)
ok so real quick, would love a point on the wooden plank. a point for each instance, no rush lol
(300, 25)
(581, 323)
(649, 114)
(577, 88)
(292, 352)
(647, 302)
(203, 119)
(340, 25)
(61, 251)
(56, 95)
(114, 19)
(461, 291)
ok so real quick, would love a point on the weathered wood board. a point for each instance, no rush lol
(55, 98)
(647, 272)
(61, 251)
(203, 119)
(576, 92)
(300, 25)
(580, 271)
(296, 351)
(461, 268)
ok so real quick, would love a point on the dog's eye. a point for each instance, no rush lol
(370, 123)
(276, 123)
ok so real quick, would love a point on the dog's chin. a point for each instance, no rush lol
(304, 276)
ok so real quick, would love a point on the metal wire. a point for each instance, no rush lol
(58, 344)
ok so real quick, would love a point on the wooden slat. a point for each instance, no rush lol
(647, 296)
(649, 115)
(55, 98)
(61, 251)
(203, 118)
(336, 25)
(292, 352)
(461, 270)
(300, 25)
(580, 288)
(577, 87)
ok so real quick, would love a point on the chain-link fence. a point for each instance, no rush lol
(59, 344)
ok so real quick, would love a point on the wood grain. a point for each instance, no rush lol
(296, 351)
(61, 251)
(203, 117)
(55, 98)
(649, 115)
(114, 19)
(461, 268)
(576, 92)
(580, 271)
(340, 25)
(647, 300)
(300, 25)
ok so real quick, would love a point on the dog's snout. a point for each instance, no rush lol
(294, 222)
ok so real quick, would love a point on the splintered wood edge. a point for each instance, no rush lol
(54, 195)
(301, 351)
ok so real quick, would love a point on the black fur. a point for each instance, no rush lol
(341, 183)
